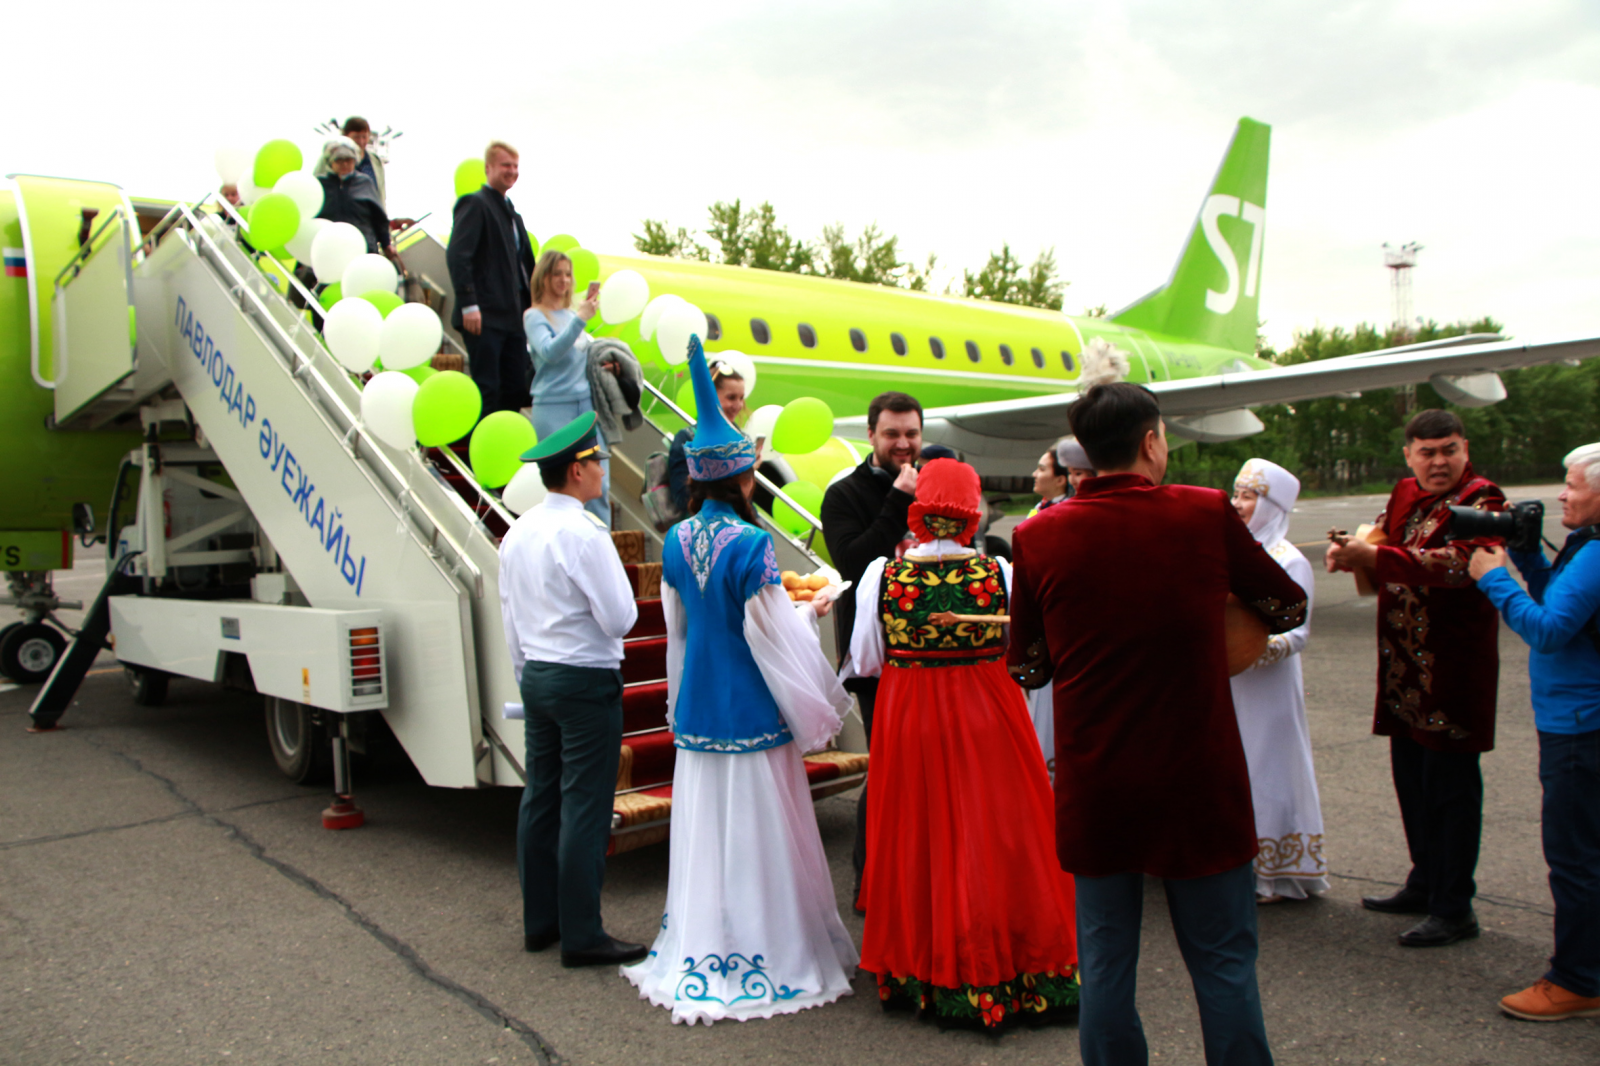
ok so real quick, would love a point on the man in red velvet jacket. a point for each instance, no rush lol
(1118, 594)
(1438, 666)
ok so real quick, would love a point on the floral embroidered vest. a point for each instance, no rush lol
(915, 589)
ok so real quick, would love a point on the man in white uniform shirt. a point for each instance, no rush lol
(567, 604)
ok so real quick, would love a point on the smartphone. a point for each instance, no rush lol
(594, 289)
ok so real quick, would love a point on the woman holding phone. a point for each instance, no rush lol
(560, 350)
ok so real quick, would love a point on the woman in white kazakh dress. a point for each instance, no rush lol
(751, 928)
(1270, 701)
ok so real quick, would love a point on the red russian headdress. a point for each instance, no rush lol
(949, 502)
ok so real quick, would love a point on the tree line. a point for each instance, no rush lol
(738, 236)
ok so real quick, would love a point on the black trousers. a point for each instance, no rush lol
(1441, 804)
(574, 739)
(866, 692)
(501, 367)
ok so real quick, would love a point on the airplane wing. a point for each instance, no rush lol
(1216, 408)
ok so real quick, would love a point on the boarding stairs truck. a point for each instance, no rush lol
(259, 536)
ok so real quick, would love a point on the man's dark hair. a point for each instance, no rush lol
(355, 124)
(898, 402)
(1110, 421)
(554, 474)
(728, 490)
(1432, 425)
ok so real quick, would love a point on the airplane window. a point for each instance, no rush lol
(759, 330)
(858, 340)
(972, 351)
(898, 343)
(1005, 355)
(713, 327)
(1066, 360)
(1038, 358)
(937, 347)
(808, 336)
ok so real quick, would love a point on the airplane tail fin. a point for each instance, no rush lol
(1213, 294)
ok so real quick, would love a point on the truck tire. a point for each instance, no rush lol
(149, 687)
(300, 743)
(30, 651)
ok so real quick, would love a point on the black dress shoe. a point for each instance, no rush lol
(1406, 901)
(539, 941)
(613, 952)
(1436, 932)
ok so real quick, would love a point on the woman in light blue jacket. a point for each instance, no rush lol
(561, 356)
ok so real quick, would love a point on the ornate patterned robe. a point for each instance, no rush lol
(1438, 658)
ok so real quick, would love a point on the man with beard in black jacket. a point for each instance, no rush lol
(864, 518)
(491, 263)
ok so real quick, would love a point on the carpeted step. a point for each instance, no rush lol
(644, 660)
(651, 623)
(645, 579)
(653, 758)
(644, 706)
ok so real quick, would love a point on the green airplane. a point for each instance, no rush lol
(994, 379)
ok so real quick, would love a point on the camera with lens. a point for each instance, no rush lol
(1521, 525)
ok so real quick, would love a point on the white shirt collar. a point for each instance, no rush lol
(560, 501)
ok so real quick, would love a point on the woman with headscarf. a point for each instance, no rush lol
(751, 928)
(1270, 700)
(969, 917)
(350, 196)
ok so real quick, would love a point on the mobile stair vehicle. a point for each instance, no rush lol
(259, 536)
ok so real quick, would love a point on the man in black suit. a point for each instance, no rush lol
(491, 262)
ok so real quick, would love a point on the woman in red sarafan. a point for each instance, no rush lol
(969, 916)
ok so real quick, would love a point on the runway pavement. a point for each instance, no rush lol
(166, 897)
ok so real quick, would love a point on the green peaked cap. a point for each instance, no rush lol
(578, 439)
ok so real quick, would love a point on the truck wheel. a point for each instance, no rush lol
(149, 687)
(300, 745)
(30, 651)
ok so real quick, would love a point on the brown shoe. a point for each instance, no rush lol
(1549, 1002)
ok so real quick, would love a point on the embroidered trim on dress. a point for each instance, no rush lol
(737, 746)
(754, 984)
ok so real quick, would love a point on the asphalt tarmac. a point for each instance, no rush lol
(166, 897)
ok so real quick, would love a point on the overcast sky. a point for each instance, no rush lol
(1094, 128)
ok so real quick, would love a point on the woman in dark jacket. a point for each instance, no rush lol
(348, 195)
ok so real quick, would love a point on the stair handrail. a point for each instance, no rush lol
(761, 479)
(398, 497)
(86, 251)
(312, 303)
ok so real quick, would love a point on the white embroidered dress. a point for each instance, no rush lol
(751, 928)
(1269, 699)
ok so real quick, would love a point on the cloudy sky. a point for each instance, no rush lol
(1471, 126)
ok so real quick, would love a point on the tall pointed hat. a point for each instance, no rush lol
(718, 450)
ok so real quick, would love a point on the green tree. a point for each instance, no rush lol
(1005, 279)
(658, 239)
(873, 257)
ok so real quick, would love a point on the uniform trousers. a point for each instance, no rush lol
(1441, 806)
(574, 740)
(501, 367)
(1569, 770)
(865, 690)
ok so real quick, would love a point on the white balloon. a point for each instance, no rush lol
(672, 332)
(386, 407)
(303, 189)
(650, 317)
(742, 363)
(524, 491)
(410, 336)
(352, 329)
(232, 162)
(623, 296)
(333, 249)
(368, 273)
(249, 194)
(760, 424)
(300, 244)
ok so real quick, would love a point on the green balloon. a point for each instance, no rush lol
(497, 447)
(585, 268)
(273, 161)
(533, 244)
(330, 296)
(804, 426)
(470, 177)
(446, 408)
(388, 301)
(419, 374)
(804, 493)
(561, 242)
(686, 400)
(273, 221)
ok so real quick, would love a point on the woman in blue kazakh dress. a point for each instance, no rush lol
(751, 927)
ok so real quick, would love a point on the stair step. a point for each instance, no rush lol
(644, 707)
(630, 544)
(653, 758)
(651, 623)
(645, 579)
(644, 660)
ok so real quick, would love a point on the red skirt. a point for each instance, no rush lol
(962, 888)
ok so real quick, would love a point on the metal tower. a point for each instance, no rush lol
(1400, 261)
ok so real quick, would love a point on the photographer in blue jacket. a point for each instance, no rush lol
(1556, 616)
